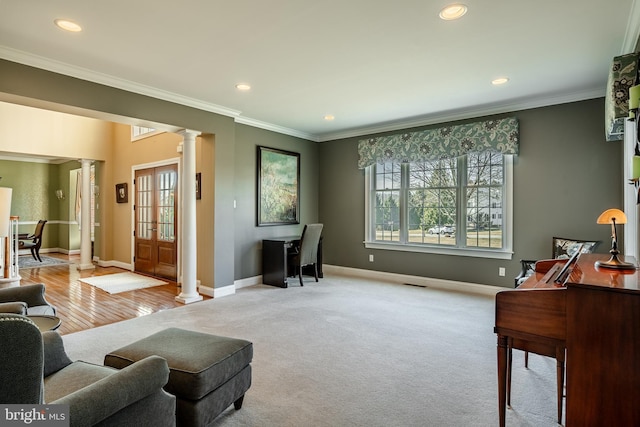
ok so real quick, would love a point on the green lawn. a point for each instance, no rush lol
(482, 239)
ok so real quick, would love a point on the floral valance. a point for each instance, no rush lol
(445, 142)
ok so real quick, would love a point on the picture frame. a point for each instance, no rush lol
(278, 192)
(122, 193)
(198, 186)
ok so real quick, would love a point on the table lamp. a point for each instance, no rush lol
(613, 216)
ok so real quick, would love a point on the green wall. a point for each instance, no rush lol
(33, 197)
(564, 177)
(248, 246)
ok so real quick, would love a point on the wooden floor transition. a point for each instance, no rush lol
(81, 306)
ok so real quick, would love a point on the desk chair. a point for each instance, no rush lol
(307, 252)
(33, 241)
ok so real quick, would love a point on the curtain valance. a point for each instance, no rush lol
(445, 142)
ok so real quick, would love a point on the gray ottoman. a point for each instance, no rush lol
(207, 372)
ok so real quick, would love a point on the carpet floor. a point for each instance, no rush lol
(352, 352)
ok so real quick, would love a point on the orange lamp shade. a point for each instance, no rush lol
(608, 217)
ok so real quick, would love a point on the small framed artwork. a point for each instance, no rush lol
(278, 187)
(122, 193)
(198, 186)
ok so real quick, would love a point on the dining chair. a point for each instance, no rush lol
(33, 241)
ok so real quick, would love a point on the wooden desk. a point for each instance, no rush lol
(275, 268)
(597, 317)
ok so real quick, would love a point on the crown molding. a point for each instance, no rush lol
(34, 158)
(107, 80)
(275, 128)
(632, 32)
(468, 113)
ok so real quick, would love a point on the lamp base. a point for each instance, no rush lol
(614, 262)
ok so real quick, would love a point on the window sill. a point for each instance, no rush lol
(477, 253)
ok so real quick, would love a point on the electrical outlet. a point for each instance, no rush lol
(501, 271)
(370, 257)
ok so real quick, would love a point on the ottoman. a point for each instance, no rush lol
(207, 372)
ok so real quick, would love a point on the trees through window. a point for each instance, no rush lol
(458, 203)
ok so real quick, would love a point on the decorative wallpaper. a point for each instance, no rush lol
(445, 142)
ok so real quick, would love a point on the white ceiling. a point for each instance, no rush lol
(375, 65)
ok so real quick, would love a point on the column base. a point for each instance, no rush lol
(188, 299)
(10, 282)
(89, 266)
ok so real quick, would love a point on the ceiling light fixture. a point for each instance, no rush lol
(329, 117)
(499, 81)
(67, 25)
(243, 86)
(453, 11)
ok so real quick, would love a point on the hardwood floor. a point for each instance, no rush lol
(81, 306)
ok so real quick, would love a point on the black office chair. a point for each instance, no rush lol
(307, 252)
(33, 241)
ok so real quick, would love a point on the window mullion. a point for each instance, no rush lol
(461, 219)
(404, 201)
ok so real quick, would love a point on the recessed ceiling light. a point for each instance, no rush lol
(329, 117)
(243, 86)
(453, 11)
(499, 81)
(67, 25)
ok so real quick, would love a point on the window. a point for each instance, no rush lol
(458, 206)
(140, 132)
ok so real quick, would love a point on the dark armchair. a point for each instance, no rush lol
(306, 254)
(96, 395)
(33, 241)
(562, 248)
(27, 299)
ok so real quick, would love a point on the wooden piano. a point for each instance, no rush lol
(591, 319)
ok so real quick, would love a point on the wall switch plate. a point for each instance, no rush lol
(501, 271)
(370, 257)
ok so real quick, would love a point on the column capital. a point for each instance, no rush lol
(189, 133)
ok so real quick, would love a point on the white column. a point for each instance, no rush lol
(85, 218)
(189, 237)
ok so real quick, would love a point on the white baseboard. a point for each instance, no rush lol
(248, 281)
(429, 282)
(113, 263)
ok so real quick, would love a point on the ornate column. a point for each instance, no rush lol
(189, 237)
(85, 217)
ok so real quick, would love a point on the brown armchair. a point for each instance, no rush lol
(33, 241)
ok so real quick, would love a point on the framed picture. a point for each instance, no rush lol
(278, 187)
(122, 193)
(198, 186)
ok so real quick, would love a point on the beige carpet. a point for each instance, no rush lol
(122, 282)
(351, 352)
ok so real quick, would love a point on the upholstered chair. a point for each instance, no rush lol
(31, 297)
(306, 254)
(34, 368)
